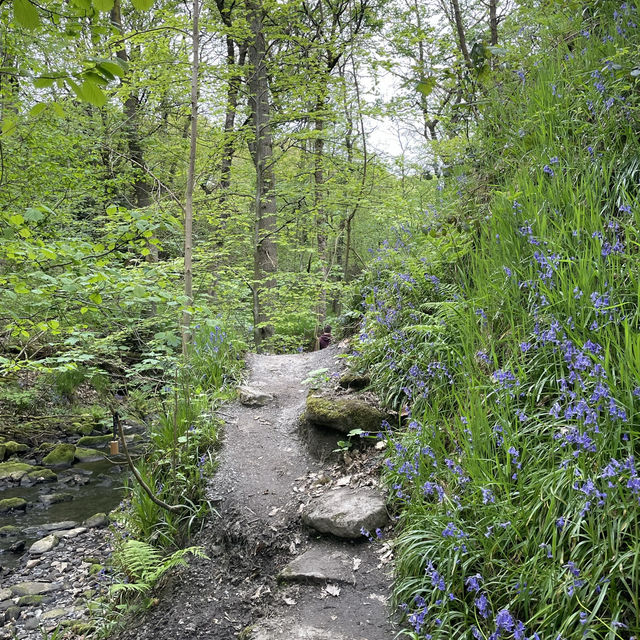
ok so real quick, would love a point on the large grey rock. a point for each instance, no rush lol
(253, 397)
(277, 632)
(344, 413)
(96, 521)
(55, 498)
(344, 512)
(44, 545)
(5, 594)
(319, 565)
(33, 588)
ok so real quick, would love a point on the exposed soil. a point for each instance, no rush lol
(270, 465)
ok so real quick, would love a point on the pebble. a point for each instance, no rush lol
(60, 574)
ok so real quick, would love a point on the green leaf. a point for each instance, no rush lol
(93, 76)
(33, 215)
(143, 5)
(26, 14)
(113, 68)
(8, 125)
(43, 82)
(37, 109)
(16, 220)
(426, 85)
(103, 5)
(90, 92)
(57, 107)
(95, 298)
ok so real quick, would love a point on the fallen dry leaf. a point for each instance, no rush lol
(332, 590)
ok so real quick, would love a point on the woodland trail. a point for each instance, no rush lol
(270, 465)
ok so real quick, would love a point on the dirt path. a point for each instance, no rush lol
(269, 466)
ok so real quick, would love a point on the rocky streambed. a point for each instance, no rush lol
(54, 501)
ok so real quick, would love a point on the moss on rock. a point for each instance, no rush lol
(13, 504)
(87, 455)
(14, 470)
(61, 456)
(12, 447)
(26, 601)
(42, 475)
(343, 413)
(93, 441)
(9, 531)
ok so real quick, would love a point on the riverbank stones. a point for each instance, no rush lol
(44, 545)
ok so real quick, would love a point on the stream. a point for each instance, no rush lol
(85, 489)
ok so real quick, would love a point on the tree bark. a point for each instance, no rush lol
(191, 176)
(141, 186)
(261, 148)
(462, 39)
(321, 221)
(493, 21)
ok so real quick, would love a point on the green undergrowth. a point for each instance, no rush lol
(149, 539)
(511, 333)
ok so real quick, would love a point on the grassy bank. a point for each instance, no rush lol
(507, 322)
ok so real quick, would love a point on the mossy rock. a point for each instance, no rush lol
(14, 470)
(3, 451)
(27, 601)
(83, 428)
(95, 569)
(61, 456)
(12, 447)
(352, 380)
(13, 504)
(93, 441)
(9, 531)
(344, 413)
(87, 455)
(42, 475)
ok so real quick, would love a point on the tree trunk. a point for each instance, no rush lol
(261, 148)
(191, 176)
(229, 120)
(321, 221)
(462, 39)
(493, 21)
(142, 188)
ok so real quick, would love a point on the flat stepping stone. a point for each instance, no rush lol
(295, 633)
(318, 565)
(345, 512)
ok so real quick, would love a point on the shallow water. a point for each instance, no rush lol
(101, 493)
